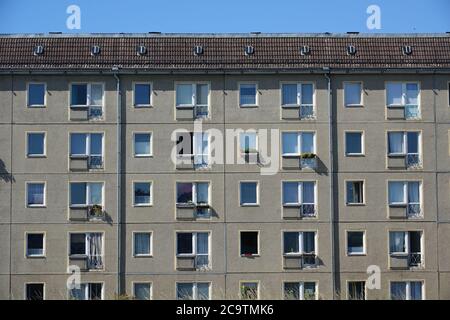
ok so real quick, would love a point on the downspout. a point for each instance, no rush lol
(119, 182)
(331, 173)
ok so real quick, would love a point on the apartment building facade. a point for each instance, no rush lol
(104, 170)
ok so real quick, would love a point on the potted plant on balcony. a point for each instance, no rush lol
(96, 211)
(308, 160)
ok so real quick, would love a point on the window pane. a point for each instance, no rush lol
(184, 192)
(291, 242)
(356, 290)
(77, 243)
(77, 193)
(142, 193)
(78, 144)
(36, 94)
(396, 192)
(413, 142)
(289, 92)
(79, 94)
(309, 290)
(249, 243)
(79, 294)
(142, 93)
(95, 193)
(184, 94)
(290, 143)
(307, 94)
(184, 143)
(291, 291)
(142, 144)
(96, 94)
(202, 243)
(96, 143)
(416, 290)
(36, 143)
(352, 93)
(185, 291)
(142, 291)
(412, 93)
(248, 142)
(308, 192)
(398, 290)
(355, 242)
(35, 291)
(95, 291)
(307, 142)
(290, 192)
(394, 94)
(353, 142)
(309, 242)
(355, 192)
(397, 242)
(249, 192)
(247, 94)
(202, 94)
(202, 291)
(413, 192)
(395, 142)
(202, 192)
(141, 243)
(184, 243)
(35, 194)
(249, 291)
(35, 244)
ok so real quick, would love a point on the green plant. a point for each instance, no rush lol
(96, 210)
(308, 155)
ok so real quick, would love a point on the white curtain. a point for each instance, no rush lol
(95, 245)
(141, 243)
(307, 94)
(394, 93)
(395, 141)
(202, 249)
(396, 192)
(289, 94)
(397, 242)
(307, 142)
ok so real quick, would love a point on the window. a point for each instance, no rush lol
(248, 142)
(354, 143)
(248, 94)
(405, 144)
(407, 290)
(249, 243)
(192, 192)
(405, 95)
(89, 245)
(86, 94)
(142, 243)
(36, 144)
(299, 291)
(87, 291)
(353, 94)
(35, 194)
(193, 145)
(36, 95)
(34, 291)
(298, 243)
(84, 194)
(301, 194)
(248, 193)
(142, 95)
(193, 95)
(357, 290)
(142, 291)
(297, 143)
(35, 245)
(249, 290)
(406, 243)
(87, 145)
(299, 95)
(142, 193)
(142, 144)
(406, 193)
(194, 244)
(355, 192)
(355, 243)
(193, 291)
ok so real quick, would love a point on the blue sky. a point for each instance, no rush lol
(397, 16)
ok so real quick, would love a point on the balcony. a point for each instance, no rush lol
(85, 163)
(299, 211)
(403, 211)
(85, 262)
(308, 161)
(191, 112)
(250, 156)
(85, 113)
(306, 260)
(185, 162)
(307, 112)
(295, 162)
(408, 112)
(192, 211)
(405, 261)
(413, 161)
(192, 262)
(87, 213)
(304, 112)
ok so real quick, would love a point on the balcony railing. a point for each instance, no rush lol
(309, 260)
(412, 112)
(307, 112)
(415, 259)
(96, 212)
(201, 111)
(96, 162)
(413, 161)
(95, 262)
(308, 210)
(414, 210)
(95, 112)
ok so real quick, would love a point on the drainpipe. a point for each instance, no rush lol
(331, 172)
(119, 182)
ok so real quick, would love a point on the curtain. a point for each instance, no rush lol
(412, 94)
(202, 249)
(290, 143)
(202, 94)
(394, 93)
(352, 94)
(35, 193)
(416, 290)
(413, 192)
(307, 94)
(309, 290)
(307, 142)
(289, 94)
(141, 243)
(397, 242)
(290, 192)
(201, 148)
(184, 94)
(308, 193)
(247, 94)
(96, 95)
(202, 192)
(309, 245)
(95, 193)
(396, 192)
(95, 244)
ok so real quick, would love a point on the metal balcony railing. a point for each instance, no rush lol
(307, 112)
(201, 111)
(415, 259)
(95, 262)
(413, 161)
(95, 112)
(96, 162)
(414, 210)
(308, 210)
(412, 112)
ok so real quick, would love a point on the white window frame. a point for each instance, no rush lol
(43, 289)
(408, 288)
(405, 201)
(87, 152)
(404, 84)
(299, 193)
(363, 147)
(363, 190)
(151, 194)
(31, 106)
(194, 191)
(194, 142)
(88, 183)
(133, 287)
(299, 143)
(86, 289)
(361, 99)
(150, 142)
(150, 254)
(299, 95)
(364, 244)
(194, 253)
(406, 235)
(257, 254)
(88, 95)
(258, 288)
(150, 98)
(256, 104)
(44, 251)
(248, 204)
(194, 289)
(301, 288)
(300, 239)
(44, 198)
(193, 103)
(44, 154)
(405, 142)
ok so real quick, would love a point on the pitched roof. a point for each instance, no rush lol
(223, 52)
